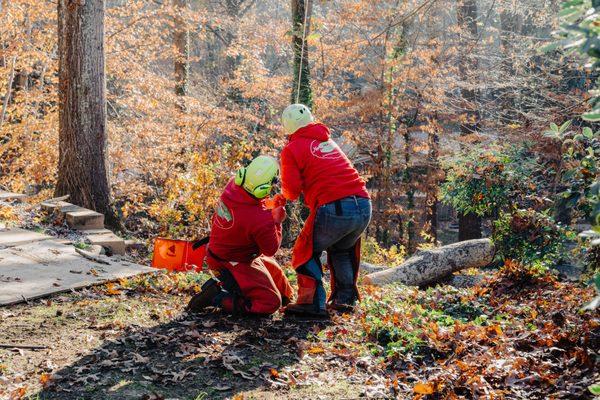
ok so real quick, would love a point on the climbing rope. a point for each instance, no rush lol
(302, 50)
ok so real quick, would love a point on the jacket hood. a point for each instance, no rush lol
(235, 194)
(316, 131)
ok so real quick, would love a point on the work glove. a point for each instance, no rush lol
(276, 201)
(279, 214)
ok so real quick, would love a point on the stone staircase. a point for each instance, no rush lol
(88, 222)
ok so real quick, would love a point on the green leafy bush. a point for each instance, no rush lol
(529, 237)
(483, 182)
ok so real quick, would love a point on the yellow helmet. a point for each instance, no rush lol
(257, 178)
(294, 117)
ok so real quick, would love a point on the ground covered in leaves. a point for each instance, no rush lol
(510, 336)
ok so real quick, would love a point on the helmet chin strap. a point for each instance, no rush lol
(302, 51)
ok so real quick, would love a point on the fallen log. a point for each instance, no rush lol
(429, 266)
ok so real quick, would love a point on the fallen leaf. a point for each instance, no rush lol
(110, 289)
(423, 388)
(45, 379)
(316, 350)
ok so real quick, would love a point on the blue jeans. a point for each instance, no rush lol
(337, 229)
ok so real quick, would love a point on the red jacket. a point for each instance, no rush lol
(242, 228)
(313, 164)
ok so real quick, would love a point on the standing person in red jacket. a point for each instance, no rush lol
(243, 238)
(312, 164)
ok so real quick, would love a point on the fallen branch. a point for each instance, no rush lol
(21, 346)
(91, 257)
(430, 266)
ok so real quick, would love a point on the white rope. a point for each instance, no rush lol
(302, 50)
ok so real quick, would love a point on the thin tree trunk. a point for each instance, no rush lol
(433, 168)
(469, 226)
(82, 166)
(11, 76)
(181, 39)
(467, 21)
(301, 29)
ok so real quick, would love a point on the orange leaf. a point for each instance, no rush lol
(110, 289)
(316, 350)
(45, 379)
(274, 373)
(423, 388)
(18, 394)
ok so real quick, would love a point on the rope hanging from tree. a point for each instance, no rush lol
(302, 50)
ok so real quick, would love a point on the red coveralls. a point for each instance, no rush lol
(312, 164)
(243, 238)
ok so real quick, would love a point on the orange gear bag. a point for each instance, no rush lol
(177, 255)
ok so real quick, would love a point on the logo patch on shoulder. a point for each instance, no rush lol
(328, 150)
(223, 216)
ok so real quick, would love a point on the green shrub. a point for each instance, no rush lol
(530, 237)
(485, 181)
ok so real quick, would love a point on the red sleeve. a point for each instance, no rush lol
(291, 179)
(268, 237)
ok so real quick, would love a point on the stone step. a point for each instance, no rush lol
(83, 219)
(77, 217)
(12, 196)
(105, 238)
(50, 207)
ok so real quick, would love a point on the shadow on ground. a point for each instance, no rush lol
(194, 357)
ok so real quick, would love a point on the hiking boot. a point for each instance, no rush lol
(206, 298)
(306, 310)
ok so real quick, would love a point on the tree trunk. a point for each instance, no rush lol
(301, 29)
(466, 16)
(181, 39)
(430, 266)
(469, 227)
(82, 165)
(6, 101)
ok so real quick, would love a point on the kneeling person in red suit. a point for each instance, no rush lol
(245, 234)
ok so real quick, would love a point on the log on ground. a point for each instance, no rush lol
(429, 266)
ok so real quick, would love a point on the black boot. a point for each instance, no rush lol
(305, 310)
(206, 298)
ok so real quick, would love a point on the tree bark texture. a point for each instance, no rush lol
(301, 29)
(82, 166)
(181, 39)
(466, 16)
(430, 266)
(8, 94)
(469, 227)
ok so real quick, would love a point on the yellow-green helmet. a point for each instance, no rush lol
(294, 117)
(257, 178)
